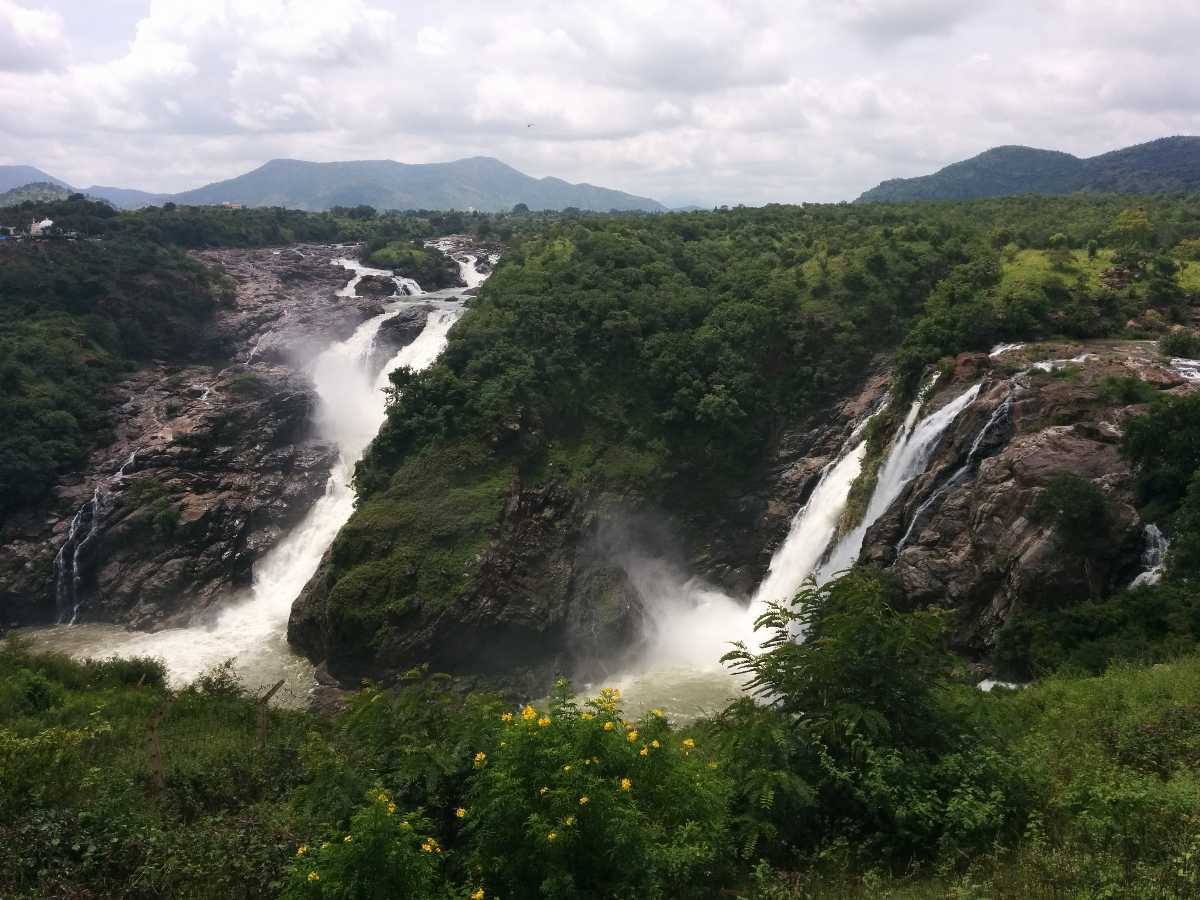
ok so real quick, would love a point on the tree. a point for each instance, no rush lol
(1132, 228)
(520, 209)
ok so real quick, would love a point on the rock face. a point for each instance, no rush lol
(962, 535)
(548, 599)
(375, 286)
(213, 459)
(398, 331)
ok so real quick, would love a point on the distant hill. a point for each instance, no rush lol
(19, 176)
(36, 192)
(125, 198)
(479, 183)
(1168, 165)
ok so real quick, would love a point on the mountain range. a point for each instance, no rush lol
(480, 182)
(1167, 165)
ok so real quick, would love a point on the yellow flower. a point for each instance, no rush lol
(552, 836)
(313, 876)
(324, 844)
(480, 759)
(631, 737)
(609, 726)
(689, 744)
(478, 895)
(504, 743)
(659, 713)
(426, 847)
(529, 714)
(543, 721)
(567, 767)
(655, 744)
(348, 839)
(383, 798)
(587, 716)
(301, 850)
(626, 784)
(583, 801)
(543, 791)
(391, 808)
(569, 821)
(506, 717)
(645, 751)
(461, 813)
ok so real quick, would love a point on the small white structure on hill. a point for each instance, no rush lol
(39, 228)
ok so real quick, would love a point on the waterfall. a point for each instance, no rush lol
(1154, 557)
(351, 408)
(1188, 369)
(998, 414)
(910, 452)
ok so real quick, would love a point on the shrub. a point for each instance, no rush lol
(576, 802)
(1180, 342)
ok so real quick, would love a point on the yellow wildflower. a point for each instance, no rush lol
(543, 721)
(569, 821)
(529, 714)
(583, 801)
(631, 737)
(567, 767)
(552, 836)
(301, 850)
(659, 713)
(324, 844)
(689, 744)
(609, 726)
(313, 876)
(478, 895)
(587, 716)
(461, 813)
(506, 717)
(655, 744)
(543, 791)
(480, 759)
(383, 798)
(626, 784)
(348, 839)
(426, 847)
(645, 751)
(391, 808)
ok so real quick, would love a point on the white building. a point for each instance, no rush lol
(38, 228)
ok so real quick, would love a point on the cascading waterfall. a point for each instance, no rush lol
(1154, 557)
(351, 408)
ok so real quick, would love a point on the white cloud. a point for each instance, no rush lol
(30, 39)
(709, 101)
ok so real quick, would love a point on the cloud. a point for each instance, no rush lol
(713, 102)
(30, 39)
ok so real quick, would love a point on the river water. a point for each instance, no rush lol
(351, 408)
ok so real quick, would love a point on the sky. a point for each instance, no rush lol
(691, 101)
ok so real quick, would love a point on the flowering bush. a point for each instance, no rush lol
(576, 802)
(385, 855)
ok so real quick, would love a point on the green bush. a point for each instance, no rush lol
(576, 802)
(1180, 342)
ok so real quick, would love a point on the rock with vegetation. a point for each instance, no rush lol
(375, 286)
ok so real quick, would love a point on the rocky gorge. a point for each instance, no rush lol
(213, 459)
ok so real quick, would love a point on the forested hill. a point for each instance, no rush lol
(1168, 165)
(480, 183)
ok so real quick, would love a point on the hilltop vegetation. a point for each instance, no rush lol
(1168, 165)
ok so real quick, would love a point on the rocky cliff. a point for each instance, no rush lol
(213, 458)
(964, 534)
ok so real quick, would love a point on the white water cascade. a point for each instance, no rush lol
(351, 409)
(1154, 557)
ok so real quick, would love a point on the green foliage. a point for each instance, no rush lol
(1077, 510)
(576, 802)
(73, 317)
(383, 855)
(1164, 446)
(428, 266)
(1180, 342)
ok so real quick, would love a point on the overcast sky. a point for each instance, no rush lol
(688, 102)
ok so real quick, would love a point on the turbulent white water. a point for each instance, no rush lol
(351, 409)
(1154, 557)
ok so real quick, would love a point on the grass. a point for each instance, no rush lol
(1030, 268)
